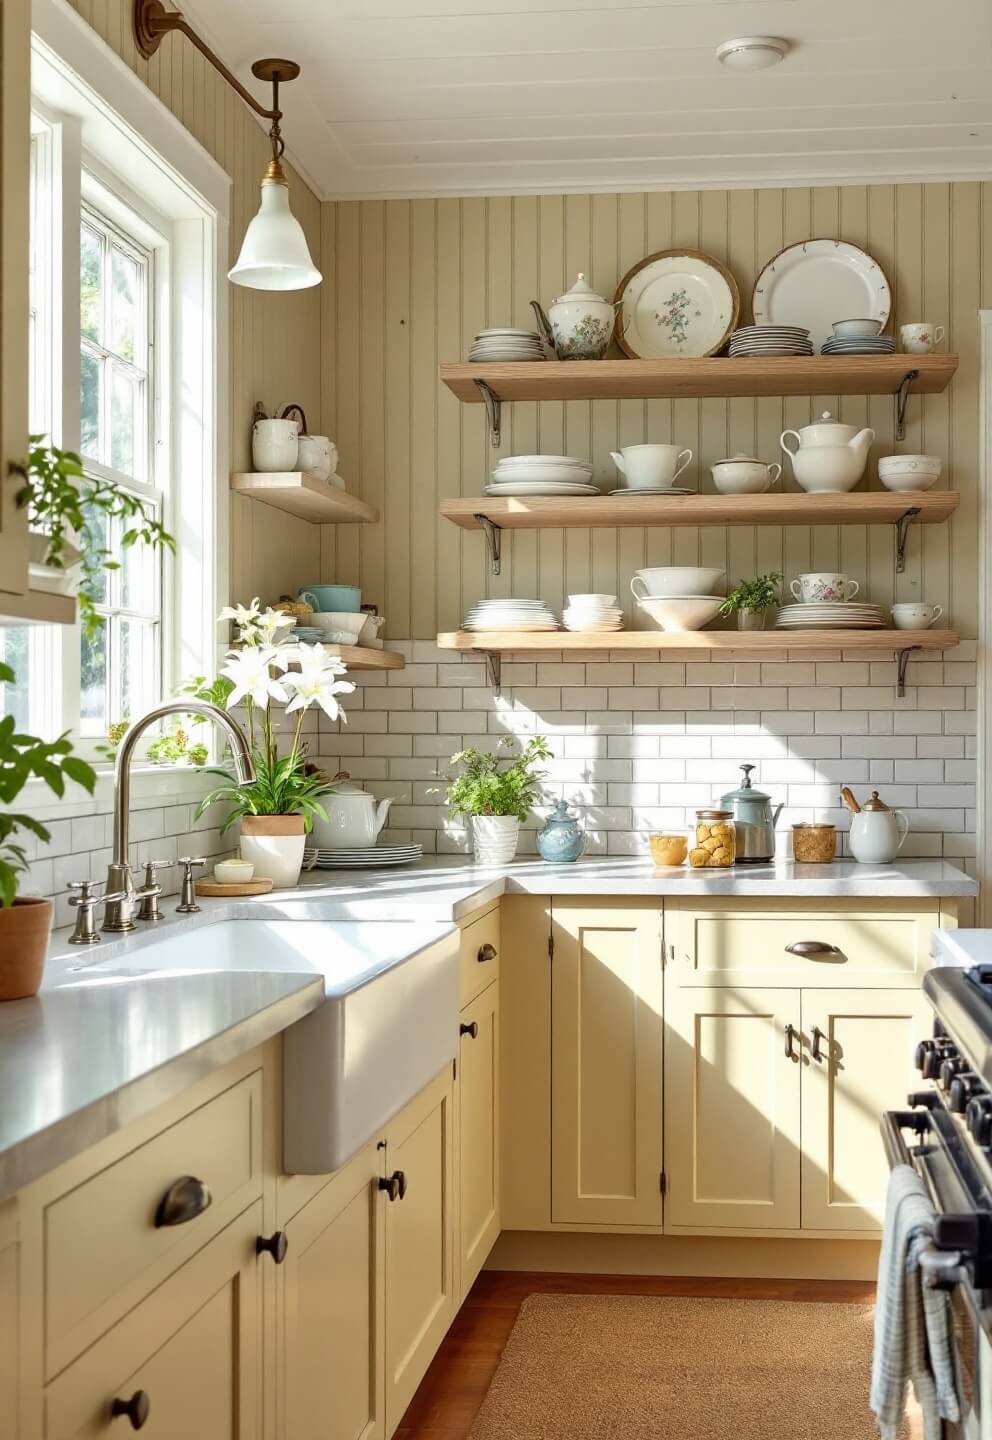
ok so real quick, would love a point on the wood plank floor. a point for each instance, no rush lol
(456, 1383)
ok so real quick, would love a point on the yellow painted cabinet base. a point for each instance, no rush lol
(478, 1135)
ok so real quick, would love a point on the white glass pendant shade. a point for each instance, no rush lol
(275, 255)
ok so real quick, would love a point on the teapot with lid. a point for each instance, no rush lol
(579, 324)
(877, 831)
(354, 820)
(755, 821)
(828, 455)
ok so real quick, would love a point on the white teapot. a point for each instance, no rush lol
(828, 455)
(354, 820)
(877, 832)
(579, 325)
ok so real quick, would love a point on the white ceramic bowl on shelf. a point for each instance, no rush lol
(678, 580)
(850, 329)
(681, 612)
(909, 472)
(339, 622)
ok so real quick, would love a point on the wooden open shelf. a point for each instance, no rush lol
(789, 508)
(717, 377)
(360, 657)
(494, 641)
(299, 493)
(37, 607)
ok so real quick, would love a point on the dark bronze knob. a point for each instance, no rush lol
(486, 952)
(137, 1409)
(184, 1200)
(394, 1185)
(275, 1245)
(472, 1029)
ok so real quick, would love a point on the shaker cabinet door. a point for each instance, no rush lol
(478, 1134)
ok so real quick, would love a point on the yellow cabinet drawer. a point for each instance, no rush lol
(802, 942)
(104, 1251)
(480, 942)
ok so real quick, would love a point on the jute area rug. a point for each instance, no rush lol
(588, 1367)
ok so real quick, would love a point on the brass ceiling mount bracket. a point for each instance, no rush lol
(277, 72)
(151, 22)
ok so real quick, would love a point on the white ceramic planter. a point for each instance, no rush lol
(494, 838)
(274, 844)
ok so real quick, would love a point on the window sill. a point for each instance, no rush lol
(151, 786)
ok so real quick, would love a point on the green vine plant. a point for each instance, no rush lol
(63, 501)
(758, 594)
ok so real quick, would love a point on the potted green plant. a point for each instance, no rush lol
(278, 811)
(750, 599)
(496, 794)
(25, 921)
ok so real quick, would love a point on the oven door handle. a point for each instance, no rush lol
(894, 1122)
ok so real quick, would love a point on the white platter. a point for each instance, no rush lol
(817, 282)
(509, 461)
(676, 304)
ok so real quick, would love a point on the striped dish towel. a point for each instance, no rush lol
(913, 1326)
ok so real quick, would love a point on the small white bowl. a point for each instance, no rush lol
(908, 483)
(682, 612)
(339, 622)
(233, 872)
(594, 602)
(847, 329)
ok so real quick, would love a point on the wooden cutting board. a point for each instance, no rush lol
(212, 888)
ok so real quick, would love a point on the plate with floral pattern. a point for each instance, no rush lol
(676, 305)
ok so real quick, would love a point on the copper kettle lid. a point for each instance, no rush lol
(875, 803)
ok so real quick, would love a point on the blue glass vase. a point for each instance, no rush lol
(561, 839)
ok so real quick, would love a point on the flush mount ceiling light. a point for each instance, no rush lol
(752, 52)
(274, 254)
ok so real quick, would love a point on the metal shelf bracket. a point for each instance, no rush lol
(902, 534)
(902, 396)
(494, 410)
(494, 541)
(903, 662)
(494, 664)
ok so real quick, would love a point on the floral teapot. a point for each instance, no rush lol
(579, 325)
(354, 820)
(828, 455)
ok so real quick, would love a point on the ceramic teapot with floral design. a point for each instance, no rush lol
(579, 324)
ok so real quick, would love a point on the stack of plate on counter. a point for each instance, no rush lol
(764, 340)
(597, 613)
(831, 615)
(507, 345)
(510, 614)
(858, 345)
(365, 857)
(542, 475)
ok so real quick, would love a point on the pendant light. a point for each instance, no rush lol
(274, 253)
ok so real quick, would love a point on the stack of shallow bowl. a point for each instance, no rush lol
(678, 597)
(858, 337)
(510, 614)
(759, 341)
(506, 345)
(542, 475)
(597, 613)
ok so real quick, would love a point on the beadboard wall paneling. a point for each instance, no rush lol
(409, 282)
(275, 339)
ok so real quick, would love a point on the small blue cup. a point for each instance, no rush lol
(325, 599)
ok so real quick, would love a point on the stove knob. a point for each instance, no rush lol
(930, 1069)
(951, 1066)
(978, 1117)
(923, 1052)
(961, 1091)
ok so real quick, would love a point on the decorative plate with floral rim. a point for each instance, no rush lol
(675, 305)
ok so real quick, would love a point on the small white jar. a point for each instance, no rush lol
(233, 872)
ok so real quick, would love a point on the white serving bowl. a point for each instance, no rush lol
(682, 612)
(339, 622)
(848, 329)
(678, 580)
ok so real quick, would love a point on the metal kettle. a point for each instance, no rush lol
(754, 819)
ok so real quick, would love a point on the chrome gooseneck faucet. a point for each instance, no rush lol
(118, 912)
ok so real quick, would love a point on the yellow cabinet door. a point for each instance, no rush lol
(732, 1097)
(478, 1134)
(421, 1268)
(606, 1063)
(859, 1063)
(9, 1321)
(331, 1357)
(189, 1355)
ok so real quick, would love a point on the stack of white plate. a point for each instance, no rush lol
(598, 613)
(366, 857)
(858, 345)
(510, 615)
(507, 344)
(765, 340)
(831, 615)
(542, 475)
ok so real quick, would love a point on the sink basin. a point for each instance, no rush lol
(388, 1024)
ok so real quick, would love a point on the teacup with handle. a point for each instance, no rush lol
(920, 338)
(820, 586)
(915, 615)
(651, 467)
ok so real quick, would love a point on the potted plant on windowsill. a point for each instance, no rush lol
(497, 800)
(278, 811)
(751, 599)
(26, 921)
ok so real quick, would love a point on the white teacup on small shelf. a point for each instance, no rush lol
(915, 615)
(921, 337)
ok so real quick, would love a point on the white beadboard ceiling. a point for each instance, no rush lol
(440, 97)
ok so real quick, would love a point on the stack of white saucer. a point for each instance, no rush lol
(510, 614)
(598, 613)
(507, 345)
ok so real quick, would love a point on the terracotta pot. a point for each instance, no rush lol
(274, 845)
(25, 928)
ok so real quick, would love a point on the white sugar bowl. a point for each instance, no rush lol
(744, 475)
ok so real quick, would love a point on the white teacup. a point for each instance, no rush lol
(920, 338)
(650, 467)
(275, 444)
(915, 615)
(820, 586)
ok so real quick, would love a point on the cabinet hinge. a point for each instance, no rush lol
(551, 947)
(663, 1183)
(454, 1069)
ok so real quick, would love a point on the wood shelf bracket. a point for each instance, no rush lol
(494, 541)
(903, 662)
(902, 534)
(902, 398)
(494, 410)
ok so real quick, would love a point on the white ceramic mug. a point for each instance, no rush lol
(815, 588)
(317, 454)
(650, 467)
(920, 338)
(275, 444)
(912, 615)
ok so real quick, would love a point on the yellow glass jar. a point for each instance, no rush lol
(668, 849)
(713, 840)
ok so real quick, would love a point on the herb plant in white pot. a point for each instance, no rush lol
(497, 799)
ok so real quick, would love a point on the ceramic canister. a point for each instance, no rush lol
(561, 839)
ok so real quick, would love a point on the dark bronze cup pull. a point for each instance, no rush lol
(818, 1036)
(472, 1029)
(275, 1245)
(812, 947)
(184, 1200)
(486, 952)
(394, 1185)
(137, 1409)
(790, 1035)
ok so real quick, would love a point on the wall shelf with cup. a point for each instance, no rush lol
(305, 495)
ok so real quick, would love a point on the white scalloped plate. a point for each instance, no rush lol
(817, 282)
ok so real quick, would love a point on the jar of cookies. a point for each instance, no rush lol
(713, 840)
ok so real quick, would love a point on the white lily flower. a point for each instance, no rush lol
(317, 683)
(241, 614)
(250, 669)
(269, 623)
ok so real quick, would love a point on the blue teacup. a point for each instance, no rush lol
(326, 599)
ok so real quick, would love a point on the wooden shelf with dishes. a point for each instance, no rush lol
(299, 493)
(361, 657)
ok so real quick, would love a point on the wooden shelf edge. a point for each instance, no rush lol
(37, 607)
(503, 640)
(363, 657)
(297, 493)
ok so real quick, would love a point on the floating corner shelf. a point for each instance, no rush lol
(304, 495)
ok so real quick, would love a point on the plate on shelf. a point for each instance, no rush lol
(541, 487)
(370, 859)
(676, 304)
(816, 282)
(650, 490)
